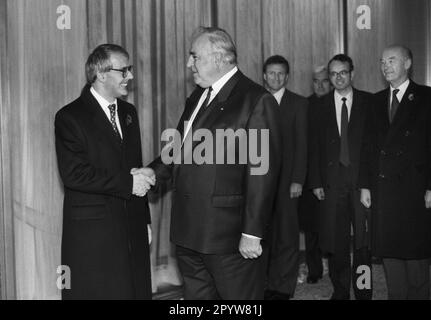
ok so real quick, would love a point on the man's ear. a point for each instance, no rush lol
(218, 59)
(101, 76)
(352, 75)
(408, 64)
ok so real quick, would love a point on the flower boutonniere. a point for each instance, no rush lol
(129, 120)
(411, 96)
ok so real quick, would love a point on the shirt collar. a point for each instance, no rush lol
(403, 88)
(338, 96)
(279, 94)
(101, 100)
(218, 85)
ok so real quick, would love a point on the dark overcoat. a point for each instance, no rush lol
(396, 167)
(104, 241)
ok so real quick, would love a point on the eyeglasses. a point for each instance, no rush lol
(342, 73)
(124, 70)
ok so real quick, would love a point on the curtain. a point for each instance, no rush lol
(45, 67)
(42, 59)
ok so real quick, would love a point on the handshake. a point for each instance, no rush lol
(143, 179)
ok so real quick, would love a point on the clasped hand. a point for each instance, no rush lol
(143, 180)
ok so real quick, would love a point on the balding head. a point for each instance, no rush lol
(396, 64)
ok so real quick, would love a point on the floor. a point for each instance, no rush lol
(319, 291)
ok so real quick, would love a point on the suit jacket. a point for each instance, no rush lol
(396, 167)
(213, 204)
(104, 240)
(324, 166)
(293, 121)
(308, 213)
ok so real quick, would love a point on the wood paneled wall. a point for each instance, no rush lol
(7, 261)
(306, 32)
(42, 69)
(392, 21)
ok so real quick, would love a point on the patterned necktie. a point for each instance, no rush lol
(112, 108)
(204, 105)
(394, 105)
(344, 148)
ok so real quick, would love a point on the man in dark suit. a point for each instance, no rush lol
(335, 154)
(395, 177)
(284, 253)
(105, 240)
(308, 213)
(221, 209)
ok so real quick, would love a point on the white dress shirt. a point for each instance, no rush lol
(279, 95)
(400, 93)
(217, 86)
(105, 104)
(338, 98)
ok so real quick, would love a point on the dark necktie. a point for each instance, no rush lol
(204, 105)
(394, 105)
(344, 149)
(112, 108)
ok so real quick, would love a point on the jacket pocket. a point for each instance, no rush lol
(227, 201)
(88, 212)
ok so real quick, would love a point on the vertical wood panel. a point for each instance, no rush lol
(242, 20)
(303, 31)
(428, 36)
(96, 18)
(7, 252)
(393, 21)
(42, 69)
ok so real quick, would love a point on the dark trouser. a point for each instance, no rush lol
(283, 270)
(313, 255)
(227, 276)
(407, 279)
(341, 271)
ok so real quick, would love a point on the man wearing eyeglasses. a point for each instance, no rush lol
(334, 165)
(105, 214)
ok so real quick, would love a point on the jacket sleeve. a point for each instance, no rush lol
(76, 170)
(261, 181)
(368, 149)
(314, 175)
(301, 129)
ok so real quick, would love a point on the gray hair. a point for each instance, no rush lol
(220, 41)
(99, 60)
(320, 69)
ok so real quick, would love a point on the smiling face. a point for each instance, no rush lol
(202, 62)
(275, 77)
(341, 77)
(395, 66)
(113, 83)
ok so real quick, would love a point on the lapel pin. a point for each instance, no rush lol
(411, 96)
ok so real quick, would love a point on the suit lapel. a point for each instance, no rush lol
(332, 117)
(405, 108)
(212, 113)
(122, 115)
(213, 110)
(191, 105)
(285, 99)
(99, 117)
(356, 117)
